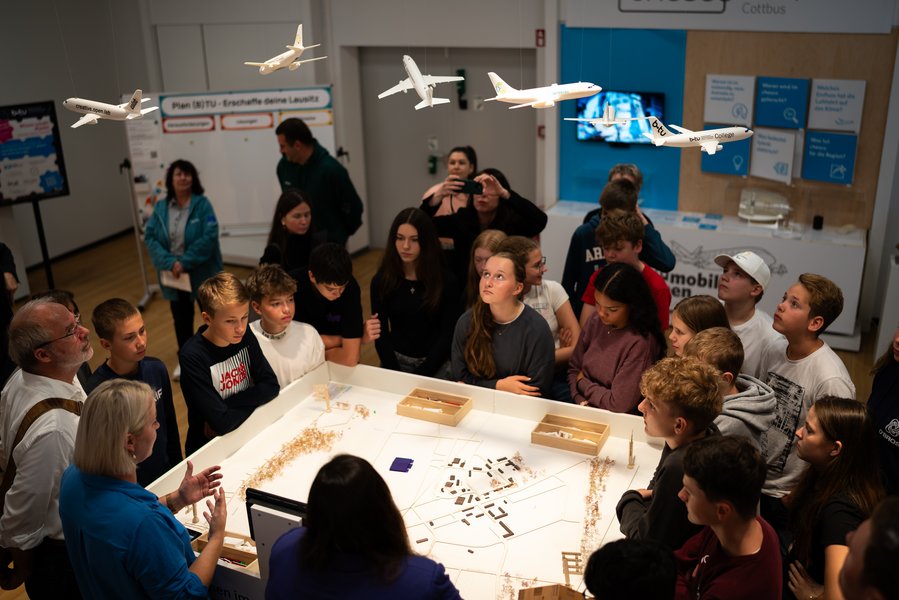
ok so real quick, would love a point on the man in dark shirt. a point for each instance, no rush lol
(329, 299)
(305, 165)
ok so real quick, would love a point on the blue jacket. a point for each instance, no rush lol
(351, 578)
(202, 256)
(123, 543)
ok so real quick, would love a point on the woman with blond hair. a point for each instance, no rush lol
(124, 541)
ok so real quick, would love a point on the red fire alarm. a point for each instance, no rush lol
(541, 38)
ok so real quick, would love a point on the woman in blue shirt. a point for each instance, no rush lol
(123, 541)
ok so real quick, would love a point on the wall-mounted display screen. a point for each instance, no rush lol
(627, 105)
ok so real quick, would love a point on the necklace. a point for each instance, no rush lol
(273, 336)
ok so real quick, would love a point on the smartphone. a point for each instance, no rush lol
(470, 186)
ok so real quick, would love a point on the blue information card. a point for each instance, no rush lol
(732, 159)
(829, 156)
(781, 102)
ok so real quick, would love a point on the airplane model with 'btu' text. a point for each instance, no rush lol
(287, 59)
(542, 97)
(709, 140)
(94, 111)
(422, 84)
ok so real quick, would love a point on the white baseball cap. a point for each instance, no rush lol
(750, 263)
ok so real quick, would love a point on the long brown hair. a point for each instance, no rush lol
(479, 345)
(854, 472)
(489, 239)
(428, 267)
(886, 358)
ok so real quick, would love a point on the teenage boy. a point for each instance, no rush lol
(741, 286)
(737, 554)
(291, 348)
(224, 375)
(748, 402)
(584, 255)
(620, 234)
(800, 368)
(681, 401)
(120, 328)
(329, 299)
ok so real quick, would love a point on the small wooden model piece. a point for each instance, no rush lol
(630, 452)
(322, 392)
(437, 407)
(568, 433)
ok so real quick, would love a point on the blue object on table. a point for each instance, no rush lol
(401, 465)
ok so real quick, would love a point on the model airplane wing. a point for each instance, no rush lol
(710, 147)
(548, 100)
(300, 62)
(403, 86)
(142, 113)
(434, 80)
(679, 129)
(255, 64)
(86, 120)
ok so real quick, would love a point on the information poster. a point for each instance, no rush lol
(728, 99)
(836, 104)
(31, 163)
(772, 154)
(732, 160)
(781, 102)
(829, 157)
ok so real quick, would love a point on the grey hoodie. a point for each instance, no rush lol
(750, 411)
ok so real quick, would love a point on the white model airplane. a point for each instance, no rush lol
(94, 111)
(422, 84)
(287, 59)
(608, 118)
(542, 97)
(709, 140)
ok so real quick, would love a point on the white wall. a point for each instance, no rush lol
(54, 50)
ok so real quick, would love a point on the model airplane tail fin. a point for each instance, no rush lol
(608, 115)
(659, 131)
(134, 104)
(298, 41)
(499, 85)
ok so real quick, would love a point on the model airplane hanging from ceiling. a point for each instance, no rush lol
(542, 97)
(287, 59)
(94, 111)
(709, 140)
(608, 118)
(422, 84)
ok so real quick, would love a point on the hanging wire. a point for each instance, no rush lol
(65, 50)
(520, 50)
(115, 60)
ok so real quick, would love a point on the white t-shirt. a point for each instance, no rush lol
(546, 299)
(292, 356)
(797, 384)
(756, 334)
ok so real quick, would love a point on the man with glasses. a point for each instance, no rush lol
(49, 344)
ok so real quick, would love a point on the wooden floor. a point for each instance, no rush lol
(111, 269)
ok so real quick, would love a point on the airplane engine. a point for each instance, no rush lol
(293, 66)
(94, 122)
(547, 104)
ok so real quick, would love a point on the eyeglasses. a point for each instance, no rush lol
(69, 332)
(541, 262)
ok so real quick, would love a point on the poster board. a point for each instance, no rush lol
(31, 161)
(230, 138)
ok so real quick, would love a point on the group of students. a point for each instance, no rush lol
(755, 411)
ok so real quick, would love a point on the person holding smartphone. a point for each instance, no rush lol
(496, 207)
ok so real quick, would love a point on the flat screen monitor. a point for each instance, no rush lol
(626, 105)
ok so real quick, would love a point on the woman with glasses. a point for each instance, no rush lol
(549, 299)
(182, 237)
(496, 207)
(353, 544)
(123, 541)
